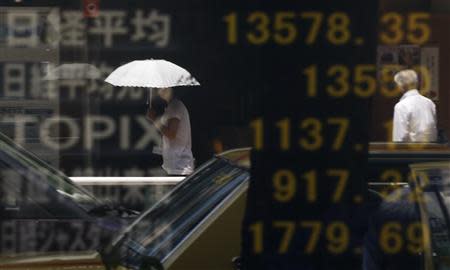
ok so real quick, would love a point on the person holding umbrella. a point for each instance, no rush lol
(175, 128)
(174, 123)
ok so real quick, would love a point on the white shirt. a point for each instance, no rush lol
(414, 119)
(177, 153)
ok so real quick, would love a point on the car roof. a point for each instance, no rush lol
(239, 156)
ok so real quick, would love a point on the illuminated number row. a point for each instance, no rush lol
(413, 28)
(337, 236)
(283, 28)
(395, 237)
(286, 185)
(313, 128)
(392, 190)
(361, 81)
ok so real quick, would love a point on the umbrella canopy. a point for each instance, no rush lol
(75, 71)
(151, 73)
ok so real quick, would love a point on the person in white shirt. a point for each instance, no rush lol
(175, 128)
(414, 114)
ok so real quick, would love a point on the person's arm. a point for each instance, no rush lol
(170, 131)
(400, 131)
(169, 122)
(435, 115)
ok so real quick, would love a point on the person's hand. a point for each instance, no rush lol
(151, 115)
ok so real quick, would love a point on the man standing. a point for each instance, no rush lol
(175, 128)
(414, 114)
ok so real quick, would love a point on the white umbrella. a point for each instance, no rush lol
(151, 73)
(75, 71)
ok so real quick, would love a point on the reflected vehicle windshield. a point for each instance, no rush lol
(433, 180)
(165, 226)
(22, 161)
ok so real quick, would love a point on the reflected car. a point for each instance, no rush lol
(432, 184)
(200, 218)
(42, 210)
